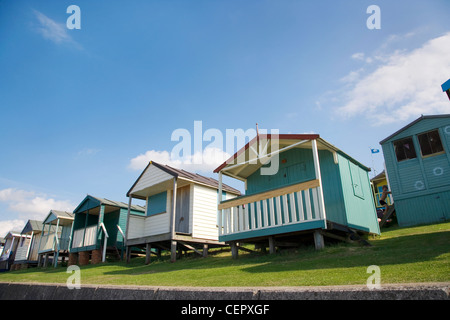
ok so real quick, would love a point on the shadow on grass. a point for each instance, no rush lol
(392, 251)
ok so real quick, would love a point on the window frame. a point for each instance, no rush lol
(440, 141)
(413, 146)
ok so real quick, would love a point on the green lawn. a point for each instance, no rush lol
(404, 255)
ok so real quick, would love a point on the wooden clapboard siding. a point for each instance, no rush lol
(420, 187)
(204, 212)
(295, 165)
(136, 227)
(182, 212)
(159, 223)
(358, 200)
(33, 255)
(428, 208)
(22, 249)
(150, 177)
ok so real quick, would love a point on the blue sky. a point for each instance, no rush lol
(83, 110)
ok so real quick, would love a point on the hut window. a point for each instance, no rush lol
(430, 143)
(404, 149)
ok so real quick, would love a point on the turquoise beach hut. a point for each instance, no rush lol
(417, 159)
(99, 224)
(297, 186)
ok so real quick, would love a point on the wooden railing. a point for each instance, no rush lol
(22, 252)
(47, 242)
(84, 237)
(288, 205)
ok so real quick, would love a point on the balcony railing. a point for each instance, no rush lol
(293, 204)
(47, 242)
(84, 237)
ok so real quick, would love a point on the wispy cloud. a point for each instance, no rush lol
(205, 161)
(87, 152)
(402, 85)
(52, 30)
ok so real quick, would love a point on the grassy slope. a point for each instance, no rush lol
(418, 254)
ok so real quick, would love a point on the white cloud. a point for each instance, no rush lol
(11, 225)
(205, 161)
(403, 86)
(352, 76)
(52, 30)
(30, 205)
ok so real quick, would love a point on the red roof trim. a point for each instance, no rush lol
(267, 136)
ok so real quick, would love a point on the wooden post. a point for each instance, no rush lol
(205, 250)
(318, 240)
(272, 248)
(128, 252)
(234, 250)
(219, 200)
(127, 248)
(46, 260)
(174, 205)
(173, 251)
(315, 152)
(148, 249)
(55, 238)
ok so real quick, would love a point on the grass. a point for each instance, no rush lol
(404, 255)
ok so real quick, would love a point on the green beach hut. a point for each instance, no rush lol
(297, 187)
(417, 160)
(99, 225)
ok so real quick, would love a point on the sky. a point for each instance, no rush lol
(84, 109)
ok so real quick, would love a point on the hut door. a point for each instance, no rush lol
(182, 210)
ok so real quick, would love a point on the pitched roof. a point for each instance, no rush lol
(380, 176)
(266, 136)
(103, 201)
(422, 117)
(243, 169)
(62, 214)
(195, 177)
(118, 204)
(32, 225)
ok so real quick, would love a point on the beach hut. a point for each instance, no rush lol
(56, 229)
(378, 182)
(299, 187)
(181, 210)
(417, 160)
(13, 240)
(2, 245)
(99, 225)
(27, 250)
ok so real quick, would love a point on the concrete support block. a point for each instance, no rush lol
(318, 240)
